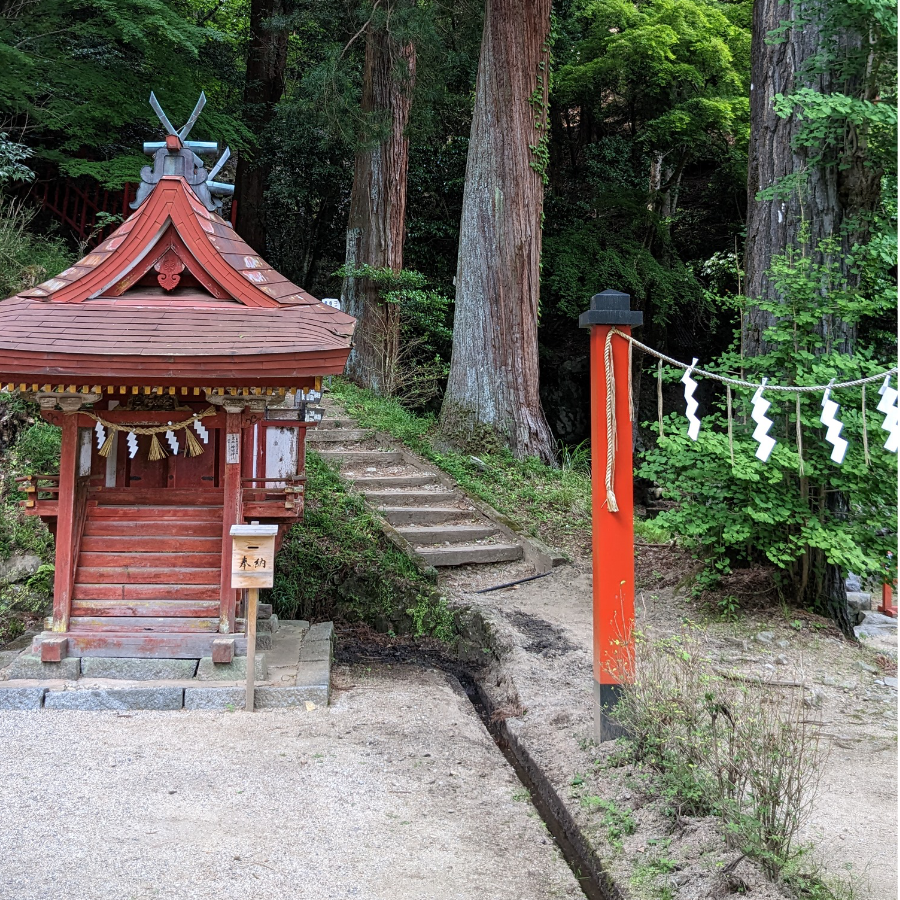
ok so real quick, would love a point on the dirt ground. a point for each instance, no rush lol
(396, 791)
(543, 629)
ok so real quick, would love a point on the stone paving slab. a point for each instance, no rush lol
(159, 698)
(26, 665)
(315, 650)
(313, 672)
(226, 698)
(236, 670)
(137, 669)
(22, 697)
(289, 697)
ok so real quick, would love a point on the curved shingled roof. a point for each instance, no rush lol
(174, 281)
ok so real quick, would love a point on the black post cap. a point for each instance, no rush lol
(610, 308)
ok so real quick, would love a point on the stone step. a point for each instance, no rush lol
(333, 435)
(438, 534)
(371, 457)
(410, 498)
(388, 482)
(424, 515)
(337, 423)
(469, 553)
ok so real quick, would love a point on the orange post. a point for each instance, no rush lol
(612, 499)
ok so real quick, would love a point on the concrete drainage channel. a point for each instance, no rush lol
(594, 882)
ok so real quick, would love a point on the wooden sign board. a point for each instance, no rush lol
(253, 555)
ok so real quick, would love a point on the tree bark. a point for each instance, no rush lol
(833, 199)
(492, 392)
(263, 87)
(843, 191)
(377, 222)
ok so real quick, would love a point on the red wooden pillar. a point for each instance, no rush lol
(231, 515)
(613, 531)
(64, 576)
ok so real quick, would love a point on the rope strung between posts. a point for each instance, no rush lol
(752, 384)
(888, 405)
(192, 445)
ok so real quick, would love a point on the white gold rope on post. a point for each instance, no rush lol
(610, 423)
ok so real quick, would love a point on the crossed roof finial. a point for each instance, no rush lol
(191, 166)
(186, 130)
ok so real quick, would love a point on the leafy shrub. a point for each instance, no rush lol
(799, 510)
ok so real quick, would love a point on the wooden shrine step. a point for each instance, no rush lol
(150, 528)
(129, 592)
(470, 553)
(146, 608)
(161, 513)
(149, 544)
(141, 559)
(170, 645)
(132, 624)
(157, 498)
(90, 575)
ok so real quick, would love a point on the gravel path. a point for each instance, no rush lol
(395, 792)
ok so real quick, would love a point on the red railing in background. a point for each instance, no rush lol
(77, 203)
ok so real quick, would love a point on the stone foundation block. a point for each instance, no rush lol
(286, 697)
(236, 670)
(137, 669)
(224, 698)
(316, 673)
(315, 650)
(22, 698)
(116, 698)
(27, 665)
(322, 631)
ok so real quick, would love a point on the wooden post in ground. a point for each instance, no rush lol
(231, 515)
(250, 613)
(612, 501)
(63, 578)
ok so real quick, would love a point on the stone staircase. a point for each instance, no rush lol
(439, 524)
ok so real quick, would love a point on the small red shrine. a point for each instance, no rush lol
(183, 372)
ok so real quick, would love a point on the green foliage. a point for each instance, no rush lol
(779, 512)
(338, 564)
(551, 503)
(618, 822)
(77, 74)
(26, 259)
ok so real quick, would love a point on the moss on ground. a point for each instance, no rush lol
(337, 564)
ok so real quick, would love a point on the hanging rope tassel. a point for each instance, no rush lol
(730, 423)
(192, 447)
(659, 398)
(107, 444)
(610, 424)
(630, 388)
(801, 468)
(156, 449)
(865, 430)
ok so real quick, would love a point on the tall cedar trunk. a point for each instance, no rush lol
(831, 198)
(264, 85)
(377, 222)
(492, 391)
